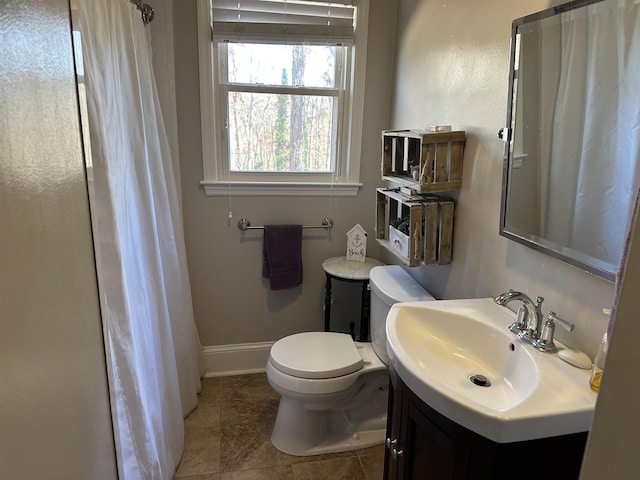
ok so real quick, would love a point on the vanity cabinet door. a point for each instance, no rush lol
(422, 449)
(431, 453)
(393, 463)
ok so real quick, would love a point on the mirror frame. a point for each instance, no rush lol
(506, 134)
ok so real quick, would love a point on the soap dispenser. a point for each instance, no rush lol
(598, 363)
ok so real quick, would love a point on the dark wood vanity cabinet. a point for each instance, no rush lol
(423, 444)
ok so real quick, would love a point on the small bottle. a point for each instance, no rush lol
(598, 363)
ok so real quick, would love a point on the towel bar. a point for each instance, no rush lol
(244, 225)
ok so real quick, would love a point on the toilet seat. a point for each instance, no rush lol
(316, 355)
(316, 388)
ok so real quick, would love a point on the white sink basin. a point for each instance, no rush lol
(436, 347)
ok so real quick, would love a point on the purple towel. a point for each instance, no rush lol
(282, 256)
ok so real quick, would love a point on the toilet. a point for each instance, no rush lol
(333, 390)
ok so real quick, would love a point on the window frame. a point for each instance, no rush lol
(218, 181)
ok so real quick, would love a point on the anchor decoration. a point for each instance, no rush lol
(357, 244)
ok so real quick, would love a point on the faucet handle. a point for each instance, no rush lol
(545, 343)
(563, 323)
(520, 325)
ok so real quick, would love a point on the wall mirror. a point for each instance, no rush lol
(572, 152)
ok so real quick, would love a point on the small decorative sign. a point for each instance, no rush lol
(357, 244)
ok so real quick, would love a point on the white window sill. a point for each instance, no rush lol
(279, 189)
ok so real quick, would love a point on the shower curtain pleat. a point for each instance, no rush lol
(153, 352)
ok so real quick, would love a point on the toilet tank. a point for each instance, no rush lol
(390, 284)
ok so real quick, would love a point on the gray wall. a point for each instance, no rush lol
(452, 68)
(54, 404)
(232, 303)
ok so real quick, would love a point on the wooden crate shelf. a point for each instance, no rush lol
(430, 226)
(436, 158)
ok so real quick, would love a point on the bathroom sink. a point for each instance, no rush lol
(459, 357)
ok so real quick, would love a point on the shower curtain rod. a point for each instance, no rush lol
(145, 10)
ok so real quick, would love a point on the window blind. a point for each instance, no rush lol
(318, 21)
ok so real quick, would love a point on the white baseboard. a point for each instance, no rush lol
(237, 359)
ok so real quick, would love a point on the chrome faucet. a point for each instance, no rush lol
(529, 317)
(529, 325)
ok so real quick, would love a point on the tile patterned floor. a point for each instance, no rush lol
(227, 438)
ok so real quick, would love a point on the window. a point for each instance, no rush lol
(278, 109)
(281, 104)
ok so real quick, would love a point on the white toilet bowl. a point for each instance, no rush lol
(337, 413)
(334, 391)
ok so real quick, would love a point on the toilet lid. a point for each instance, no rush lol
(316, 355)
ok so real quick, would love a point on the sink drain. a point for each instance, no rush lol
(480, 380)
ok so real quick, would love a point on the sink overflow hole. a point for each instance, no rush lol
(480, 380)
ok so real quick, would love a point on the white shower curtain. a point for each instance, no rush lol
(599, 78)
(151, 343)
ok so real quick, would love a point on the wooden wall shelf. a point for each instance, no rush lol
(430, 227)
(435, 157)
